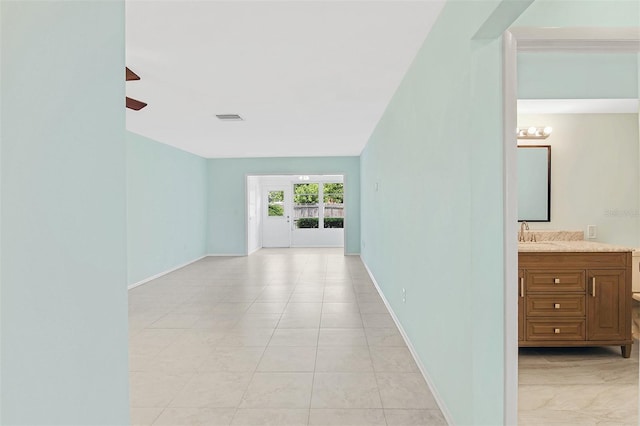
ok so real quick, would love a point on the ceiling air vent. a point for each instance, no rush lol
(229, 117)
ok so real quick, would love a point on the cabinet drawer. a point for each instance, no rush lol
(556, 329)
(556, 305)
(555, 281)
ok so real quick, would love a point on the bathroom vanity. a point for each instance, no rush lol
(574, 293)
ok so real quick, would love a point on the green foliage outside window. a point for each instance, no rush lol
(276, 210)
(307, 222)
(305, 193)
(276, 200)
(306, 197)
(333, 193)
(334, 222)
(276, 196)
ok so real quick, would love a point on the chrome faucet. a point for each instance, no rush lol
(524, 225)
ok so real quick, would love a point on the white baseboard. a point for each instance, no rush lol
(320, 246)
(254, 250)
(225, 255)
(146, 280)
(427, 378)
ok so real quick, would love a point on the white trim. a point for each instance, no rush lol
(343, 175)
(226, 255)
(578, 106)
(345, 213)
(577, 39)
(259, 217)
(146, 280)
(588, 40)
(246, 213)
(510, 211)
(316, 246)
(414, 354)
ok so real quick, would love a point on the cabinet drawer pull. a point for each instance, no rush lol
(593, 286)
(556, 306)
(556, 330)
(556, 280)
(521, 287)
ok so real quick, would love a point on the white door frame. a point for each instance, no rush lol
(527, 39)
(260, 175)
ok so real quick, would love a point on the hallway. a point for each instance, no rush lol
(282, 337)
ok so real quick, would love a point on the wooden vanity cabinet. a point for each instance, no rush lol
(575, 299)
(606, 305)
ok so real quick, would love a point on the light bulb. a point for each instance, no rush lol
(531, 131)
(547, 131)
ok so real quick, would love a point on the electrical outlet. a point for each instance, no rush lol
(404, 296)
(376, 187)
(592, 232)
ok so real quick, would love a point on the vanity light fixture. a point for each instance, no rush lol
(303, 177)
(534, 132)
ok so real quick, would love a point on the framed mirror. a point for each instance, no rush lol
(534, 183)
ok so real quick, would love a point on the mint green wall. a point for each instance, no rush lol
(63, 268)
(438, 147)
(166, 207)
(577, 76)
(227, 201)
(1, 137)
(438, 151)
(581, 13)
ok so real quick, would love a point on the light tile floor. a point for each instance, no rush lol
(578, 386)
(282, 337)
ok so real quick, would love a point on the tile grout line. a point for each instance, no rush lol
(375, 376)
(315, 363)
(336, 276)
(174, 396)
(253, 373)
(265, 349)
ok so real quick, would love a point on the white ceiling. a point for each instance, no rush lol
(310, 78)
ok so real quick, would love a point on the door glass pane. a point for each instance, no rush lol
(333, 205)
(305, 205)
(276, 203)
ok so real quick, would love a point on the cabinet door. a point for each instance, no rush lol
(520, 304)
(606, 304)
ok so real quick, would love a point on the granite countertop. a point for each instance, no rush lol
(569, 246)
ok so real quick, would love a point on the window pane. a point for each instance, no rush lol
(333, 205)
(305, 205)
(276, 203)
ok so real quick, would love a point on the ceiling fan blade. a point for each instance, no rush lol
(135, 104)
(131, 75)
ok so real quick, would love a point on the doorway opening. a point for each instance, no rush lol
(301, 210)
(567, 40)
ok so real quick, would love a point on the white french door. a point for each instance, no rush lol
(276, 230)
